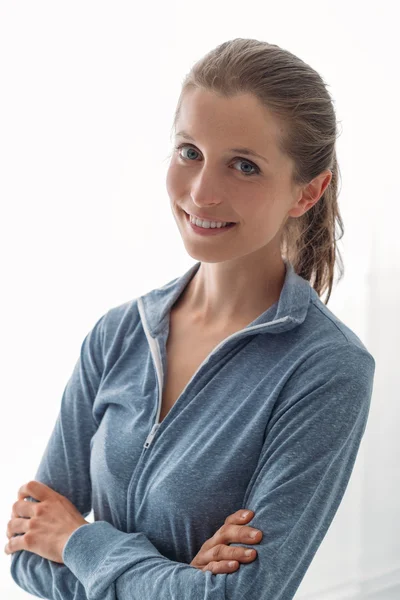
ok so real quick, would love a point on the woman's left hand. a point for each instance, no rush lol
(46, 525)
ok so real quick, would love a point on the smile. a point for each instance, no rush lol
(207, 231)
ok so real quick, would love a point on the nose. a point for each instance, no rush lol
(205, 190)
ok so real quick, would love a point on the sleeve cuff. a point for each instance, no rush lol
(87, 547)
(100, 547)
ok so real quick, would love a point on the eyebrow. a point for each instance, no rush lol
(246, 151)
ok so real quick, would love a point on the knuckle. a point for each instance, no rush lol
(221, 533)
(207, 544)
(217, 551)
(238, 532)
(223, 529)
(32, 523)
(248, 531)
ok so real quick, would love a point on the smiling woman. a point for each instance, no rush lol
(284, 182)
(230, 387)
(212, 181)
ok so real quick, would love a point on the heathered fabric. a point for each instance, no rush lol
(271, 421)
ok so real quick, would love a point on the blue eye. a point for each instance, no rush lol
(237, 159)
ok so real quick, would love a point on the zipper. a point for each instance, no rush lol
(154, 346)
(151, 435)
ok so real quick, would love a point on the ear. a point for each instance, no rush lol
(310, 194)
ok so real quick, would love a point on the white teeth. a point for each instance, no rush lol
(207, 224)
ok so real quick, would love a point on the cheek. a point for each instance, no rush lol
(174, 181)
(265, 214)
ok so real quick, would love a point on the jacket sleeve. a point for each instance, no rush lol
(34, 574)
(310, 447)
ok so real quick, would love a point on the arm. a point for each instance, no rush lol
(311, 444)
(33, 573)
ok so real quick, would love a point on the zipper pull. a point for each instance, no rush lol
(151, 435)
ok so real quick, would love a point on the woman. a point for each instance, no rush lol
(232, 386)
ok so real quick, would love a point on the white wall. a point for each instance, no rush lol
(87, 94)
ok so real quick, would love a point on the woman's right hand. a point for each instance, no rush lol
(215, 555)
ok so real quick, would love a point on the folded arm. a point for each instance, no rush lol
(34, 574)
(310, 448)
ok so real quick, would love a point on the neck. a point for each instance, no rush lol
(221, 294)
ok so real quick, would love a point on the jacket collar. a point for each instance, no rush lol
(288, 312)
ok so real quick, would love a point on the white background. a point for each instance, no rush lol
(87, 94)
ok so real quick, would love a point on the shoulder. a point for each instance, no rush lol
(114, 326)
(330, 355)
(331, 330)
(324, 351)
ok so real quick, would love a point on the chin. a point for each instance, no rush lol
(209, 255)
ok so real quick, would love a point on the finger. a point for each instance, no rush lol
(21, 508)
(221, 553)
(223, 566)
(242, 534)
(35, 489)
(17, 526)
(240, 516)
(15, 543)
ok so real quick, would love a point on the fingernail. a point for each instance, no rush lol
(245, 514)
(254, 534)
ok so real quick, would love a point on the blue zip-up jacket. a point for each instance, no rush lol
(271, 421)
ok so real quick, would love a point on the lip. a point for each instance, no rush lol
(209, 231)
(203, 218)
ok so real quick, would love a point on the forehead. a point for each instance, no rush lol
(241, 119)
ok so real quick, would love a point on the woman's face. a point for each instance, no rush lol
(206, 177)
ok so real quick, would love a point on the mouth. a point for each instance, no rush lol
(208, 231)
(227, 222)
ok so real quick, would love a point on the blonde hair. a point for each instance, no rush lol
(297, 95)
